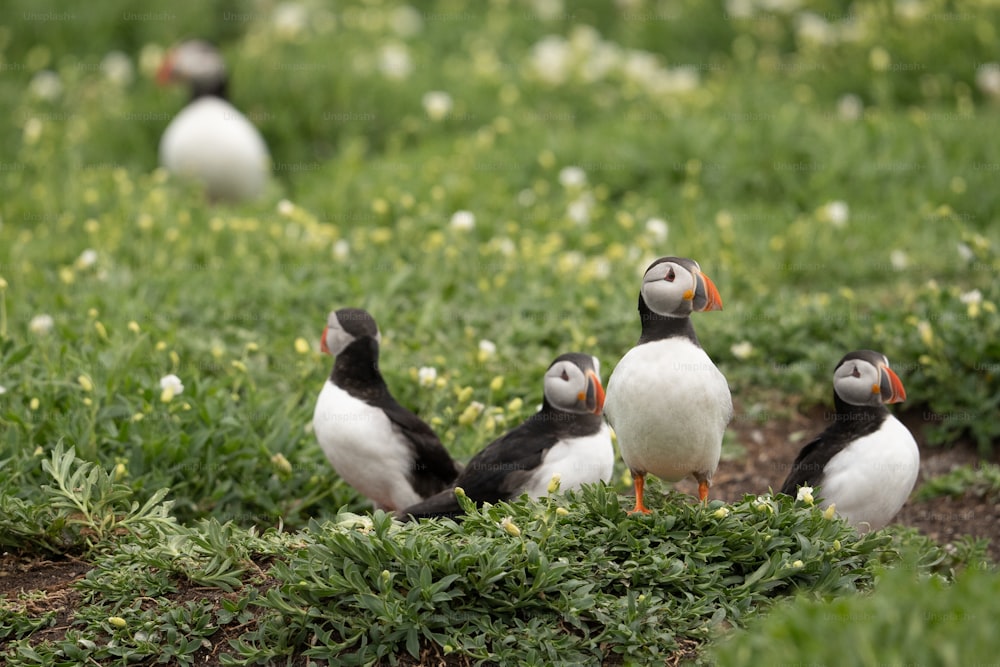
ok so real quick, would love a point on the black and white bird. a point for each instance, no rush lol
(866, 462)
(667, 402)
(567, 437)
(210, 140)
(376, 445)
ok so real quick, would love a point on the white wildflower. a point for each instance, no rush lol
(463, 220)
(975, 296)
(742, 350)
(850, 107)
(395, 62)
(341, 249)
(898, 259)
(805, 495)
(41, 325)
(572, 177)
(426, 376)
(406, 21)
(171, 386)
(86, 259)
(988, 79)
(46, 85)
(437, 104)
(837, 212)
(658, 229)
(117, 68)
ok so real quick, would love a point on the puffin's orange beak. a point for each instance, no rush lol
(165, 71)
(706, 295)
(322, 343)
(891, 385)
(595, 393)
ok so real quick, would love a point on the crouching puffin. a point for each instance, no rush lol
(376, 445)
(567, 437)
(210, 140)
(866, 462)
(667, 402)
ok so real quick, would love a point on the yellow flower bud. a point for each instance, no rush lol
(117, 621)
(302, 345)
(33, 405)
(562, 511)
(85, 383)
(508, 525)
(721, 513)
(133, 326)
(101, 331)
(830, 511)
(554, 483)
(281, 464)
(496, 383)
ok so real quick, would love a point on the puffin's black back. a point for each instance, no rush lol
(850, 423)
(501, 470)
(356, 372)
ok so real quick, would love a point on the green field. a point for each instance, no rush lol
(829, 165)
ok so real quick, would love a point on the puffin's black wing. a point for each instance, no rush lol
(807, 470)
(496, 473)
(433, 468)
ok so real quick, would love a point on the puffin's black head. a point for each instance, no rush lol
(676, 287)
(573, 384)
(863, 378)
(345, 326)
(198, 64)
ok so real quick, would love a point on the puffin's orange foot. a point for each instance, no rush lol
(640, 484)
(703, 490)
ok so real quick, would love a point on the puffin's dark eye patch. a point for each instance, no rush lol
(565, 375)
(670, 275)
(856, 373)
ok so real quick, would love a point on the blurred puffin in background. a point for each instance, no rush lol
(210, 141)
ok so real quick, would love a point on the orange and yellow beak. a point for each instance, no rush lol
(594, 397)
(165, 71)
(706, 296)
(890, 386)
(322, 343)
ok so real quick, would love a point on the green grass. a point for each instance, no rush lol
(742, 165)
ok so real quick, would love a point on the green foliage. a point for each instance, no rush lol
(907, 619)
(981, 480)
(576, 576)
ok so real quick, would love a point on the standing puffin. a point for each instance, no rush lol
(866, 462)
(376, 445)
(567, 437)
(667, 402)
(209, 140)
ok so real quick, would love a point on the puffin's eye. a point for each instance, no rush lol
(670, 275)
(565, 376)
(856, 373)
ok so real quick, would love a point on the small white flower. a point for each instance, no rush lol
(850, 107)
(742, 350)
(32, 130)
(837, 213)
(658, 229)
(988, 79)
(526, 197)
(763, 504)
(286, 208)
(395, 62)
(117, 68)
(975, 296)
(965, 252)
(86, 259)
(805, 495)
(463, 220)
(290, 19)
(46, 85)
(550, 59)
(341, 249)
(173, 383)
(898, 259)
(3, 390)
(487, 348)
(579, 210)
(41, 325)
(437, 104)
(572, 177)
(426, 376)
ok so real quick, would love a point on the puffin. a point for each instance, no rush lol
(210, 140)
(667, 402)
(566, 437)
(380, 448)
(866, 462)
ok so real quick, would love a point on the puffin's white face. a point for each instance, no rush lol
(570, 388)
(677, 288)
(336, 337)
(867, 381)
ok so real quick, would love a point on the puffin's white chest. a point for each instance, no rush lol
(578, 461)
(669, 406)
(211, 141)
(870, 479)
(364, 447)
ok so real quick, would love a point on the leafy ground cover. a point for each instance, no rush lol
(489, 180)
